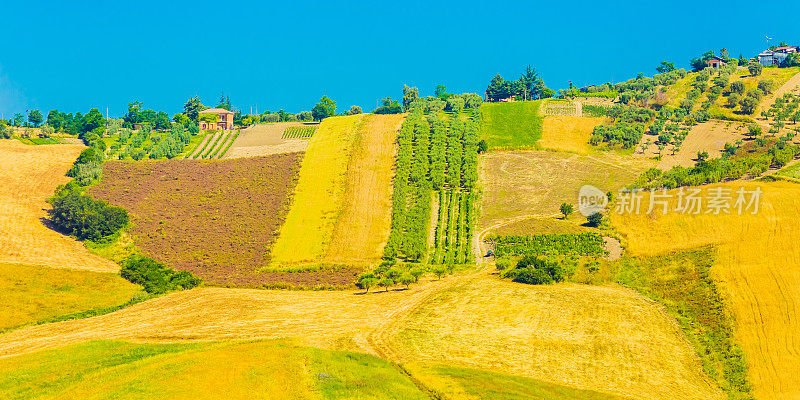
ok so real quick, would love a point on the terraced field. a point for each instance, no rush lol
(755, 269)
(31, 175)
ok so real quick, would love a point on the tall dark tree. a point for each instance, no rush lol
(409, 95)
(441, 92)
(192, 108)
(35, 118)
(665, 67)
(530, 84)
(93, 120)
(323, 109)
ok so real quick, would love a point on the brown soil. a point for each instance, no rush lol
(216, 219)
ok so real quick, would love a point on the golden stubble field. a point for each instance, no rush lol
(520, 184)
(708, 136)
(757, 268)
(30, 175)
(568, 133)
(601, 338)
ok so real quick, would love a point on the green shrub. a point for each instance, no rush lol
(535, 270)
(156, 278)
(78, 214)
(595, 219)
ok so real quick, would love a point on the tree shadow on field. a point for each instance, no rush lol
(49, 224)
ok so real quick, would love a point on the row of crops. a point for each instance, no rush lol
(437, 156)
(146, 143)
(582, 244)
(299, 132)
(216, 146)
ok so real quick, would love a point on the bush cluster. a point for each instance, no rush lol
(78, 214)
(155, 277)
(535, 270)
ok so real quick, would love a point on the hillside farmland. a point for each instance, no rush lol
(341, 205)
(210, 370)
(217, 219)
(568, 133)
(31, 294)
(754, 269)
(31, 175)
(510, 126)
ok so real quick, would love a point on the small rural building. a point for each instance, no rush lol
(224, 119)
(716, 62)
(769, 58)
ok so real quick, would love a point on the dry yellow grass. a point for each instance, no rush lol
(363, 226)
(535, 183)
(608, 339)
(31, 175)
(568, 133)
(708, 136)
(317, 199)
(757, 269)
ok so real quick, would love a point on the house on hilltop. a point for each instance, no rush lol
(223, 120)
(769, 58)
(716, 62)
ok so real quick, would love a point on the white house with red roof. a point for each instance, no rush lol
(769, 58)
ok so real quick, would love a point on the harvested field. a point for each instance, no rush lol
(607, 339)
(708, 136)
(756, 270)
(29, 294)
(217, 219)
(573, 335)
(568, 133)
(266, 139)
(363, 226)
(30, 175)
(535, 183)
(216, 370)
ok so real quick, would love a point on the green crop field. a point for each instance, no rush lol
(30, 294)
(516, 125)
(210, 370)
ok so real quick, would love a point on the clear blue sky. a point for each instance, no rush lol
(76, 55)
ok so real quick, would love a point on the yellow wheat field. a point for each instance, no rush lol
(758, 269)
(30, 174)
(317, 199)
(341, 207)
(363, 226)
(568, 133)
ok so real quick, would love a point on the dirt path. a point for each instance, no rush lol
(792, 85)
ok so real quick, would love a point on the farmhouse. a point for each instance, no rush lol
(769, 58)
(716, 62)
(223, 120)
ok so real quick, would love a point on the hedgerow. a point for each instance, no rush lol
(78, 214)
(583, 244)
(155, 277)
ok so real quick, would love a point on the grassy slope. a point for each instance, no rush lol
(224, 370)
(502, 129)
(317, 198)
(465, 383)
(30, 294)
(755, 271)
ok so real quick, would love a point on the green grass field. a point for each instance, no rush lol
(30, 294)
(209, 370)
(792, 171)
(515, 125)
